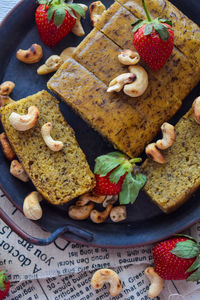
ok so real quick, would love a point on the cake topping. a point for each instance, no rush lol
(196, 109)
(25, 122)
(169, 136)
(128, 57)
(49, 141)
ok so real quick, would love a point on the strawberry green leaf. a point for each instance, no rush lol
(195, 265)
(117, 173)
(131, 187)
(167, 21)
(77, 8)
(70, 11)
(50, 13)
(148, 29)
(137, 25)
(59, 16)
(43, 1)
(186, 235)
(105, 163)
(3, 279)
(194, 276)
(162, 31)
(186, 249)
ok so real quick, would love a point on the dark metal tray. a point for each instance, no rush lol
(145, 223)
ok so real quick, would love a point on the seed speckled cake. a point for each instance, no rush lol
(58, 176)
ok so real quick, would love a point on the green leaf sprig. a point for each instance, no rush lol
(117, 164)
(158, 24)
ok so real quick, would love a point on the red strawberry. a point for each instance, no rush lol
(55, 19)
(114, 176)
(4, 285)
(177, 259)
(154, 40)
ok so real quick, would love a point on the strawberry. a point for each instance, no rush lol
(4, 285)
(153, 39)
(177, 258)
(114, 175)
(55, 19)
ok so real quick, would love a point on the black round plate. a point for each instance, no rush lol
(145, 223)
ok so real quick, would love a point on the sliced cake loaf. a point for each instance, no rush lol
(170, 185)
(58, 176)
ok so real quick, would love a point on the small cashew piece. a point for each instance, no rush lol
(67, 53)
(6, 147)
(140, 84)
(6, 88)
(103, 276)
(154, 153)
(53, 145)
(30, 56)
(96, 10)
(118, 213)
(78, 28)
(52, 64)
(100, 216)
(128, 57)
(4, 100)
(84, 199)
(31, 207)
(169, 136)
(110, 199)
(196, 109)
(157, 283)
(17, 170)
(80, 212)
(25, 122)
(117, 84)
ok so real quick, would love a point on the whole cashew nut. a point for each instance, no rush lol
(25, 122)
(31, 207)
(53, 145)
(80, 212)
(128, 57)
(154, 153)
(110, 199)
(100, 217)
(67, 53)
(17, 170)
(4, 100)
(30, 56)
(6, 147)
(6, 88)
(84, 199)
(140, 84)
(157, 283)
(78, 28)
(117, 84)
(196, 109)
(118, 213)
(96, 10)
(52, 64)
(169, 136)
(103, 276)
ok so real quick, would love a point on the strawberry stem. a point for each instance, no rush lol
(146, 11)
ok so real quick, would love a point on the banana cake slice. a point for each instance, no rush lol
(58, 176)
(170, 185)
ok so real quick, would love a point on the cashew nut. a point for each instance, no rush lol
(154, 153)
(100, 216)
(67, 53)
(30, 56)
(84, 199)
(80, 212)
(6, 147)
(25, 122)
(140, 84)
(117, 84)
(31, 207)
(52, 64)
(196, 109)
(157, 283)
(6, 88)
(78, 28)
(169, 136)
(96, 10)
(103, 276)
(53, 145)
(128, 57)
(4, 100)
(118, 213)
(17, 170)
(110, 199)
